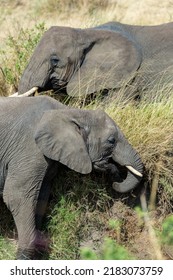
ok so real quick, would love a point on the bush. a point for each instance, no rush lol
(110, 251)
(167, 231)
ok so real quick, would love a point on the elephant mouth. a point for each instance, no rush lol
(101, 165)
(114, 168)
(117, 173)
(122, 178)
(56, 83)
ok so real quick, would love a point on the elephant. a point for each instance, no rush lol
(82, 62)
(39, 135)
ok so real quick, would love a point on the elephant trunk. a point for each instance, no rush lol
(125, 155)
(128, 184)
(26, 83)
(36, 73)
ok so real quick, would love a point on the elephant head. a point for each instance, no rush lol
(88, 140)
(80, 61)
(125, 155)
(47, 132)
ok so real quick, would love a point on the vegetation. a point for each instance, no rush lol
(86, 218)
(7, 249)
(20, 48)
(110, 251)
(69, 6)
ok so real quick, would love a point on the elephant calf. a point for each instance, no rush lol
(37, 135)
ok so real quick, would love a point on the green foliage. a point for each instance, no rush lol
(63, 227)
(74, 196)
(88, 254)
(114, 224)
(110, 251)
(18, 51)
(167, 231)
(7, 249)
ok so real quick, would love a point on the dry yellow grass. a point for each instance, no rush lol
(81, 13)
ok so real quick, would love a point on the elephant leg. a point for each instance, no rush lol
(42, 203)
(22, 205)
(27, 234)
(23, 213)
(42, 242)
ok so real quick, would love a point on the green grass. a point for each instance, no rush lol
(167, 230)
(73, 197)
(7, 249)
(63, 227)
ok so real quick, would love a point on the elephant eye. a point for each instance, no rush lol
(111, 140)
(54, 61)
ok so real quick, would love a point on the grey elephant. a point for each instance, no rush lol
(37, 136)
(84, 61)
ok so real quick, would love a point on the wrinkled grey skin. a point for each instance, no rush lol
(84, 61)
(37, 136)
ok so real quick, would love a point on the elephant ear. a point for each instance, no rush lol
(110, 60)
(58, 137)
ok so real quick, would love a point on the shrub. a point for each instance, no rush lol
(110, 251)
(167, 231)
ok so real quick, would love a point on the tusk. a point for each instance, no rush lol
(28, 93)
(14, 94)
(134, 171)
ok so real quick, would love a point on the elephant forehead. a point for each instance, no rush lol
(56, 31)
(102, 118)
(58, 38)
(110, 124)
(106, 128)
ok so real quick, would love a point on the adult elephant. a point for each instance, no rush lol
(37, 136)
(109, 56)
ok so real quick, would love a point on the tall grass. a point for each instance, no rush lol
(16, 56)
(69, 6)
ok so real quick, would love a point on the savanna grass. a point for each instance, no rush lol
(68, 6)
(16, 56)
